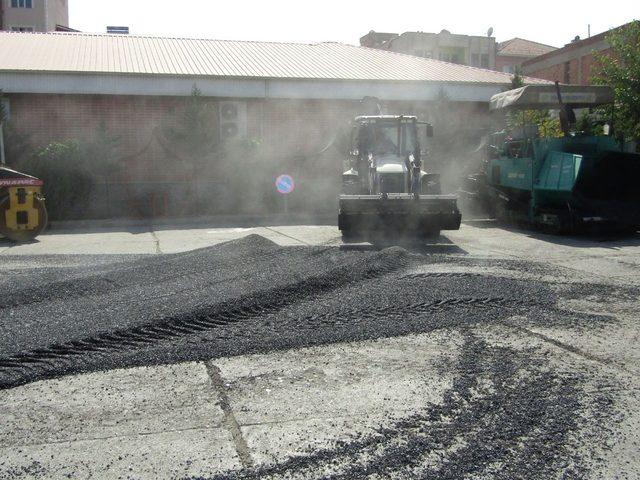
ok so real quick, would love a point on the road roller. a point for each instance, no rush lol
(23, 215)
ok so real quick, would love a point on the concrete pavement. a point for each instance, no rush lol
(274, 411)
(617, 257)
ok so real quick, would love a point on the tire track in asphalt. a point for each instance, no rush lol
(567, 347)
(505, 416)
(57, 357)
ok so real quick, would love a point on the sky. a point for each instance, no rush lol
(550, 22)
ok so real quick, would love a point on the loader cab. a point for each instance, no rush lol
(386, 156)
(385, 135)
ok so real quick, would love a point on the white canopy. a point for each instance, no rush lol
(545, 97)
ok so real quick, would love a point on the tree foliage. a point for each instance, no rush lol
(621, 70)
(102, 152)
(548, 126)
(17, 145)
(516, 79)
(194, 134)
(67, 177)
(71, 169)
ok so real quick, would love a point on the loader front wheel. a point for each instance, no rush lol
(430, 233)
(350, 236)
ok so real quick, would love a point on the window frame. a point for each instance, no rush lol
(22, 4)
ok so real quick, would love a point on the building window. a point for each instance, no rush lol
(567, 72)
(22, 3)
(475, 60)
(484, 60)
(423, 53)
(450, 57)
(22, 29)
(508, 69)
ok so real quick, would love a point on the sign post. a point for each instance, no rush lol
(285, 186)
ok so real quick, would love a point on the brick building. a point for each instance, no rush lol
(292, 98)
(571, 64)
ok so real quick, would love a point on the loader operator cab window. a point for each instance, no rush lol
(383, 138)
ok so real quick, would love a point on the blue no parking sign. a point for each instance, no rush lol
(285, 184)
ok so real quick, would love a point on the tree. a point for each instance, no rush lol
(621, 70)
(102, 152)
(516, 79)
(194, 135)
(17, 146)
(67, 177)
(547, 125)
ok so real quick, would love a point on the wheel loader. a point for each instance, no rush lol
(386, 192)
(572, 184)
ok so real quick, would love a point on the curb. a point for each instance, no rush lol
(205, 221)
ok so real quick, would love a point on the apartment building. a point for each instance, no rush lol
(34, 15)
(476, 51)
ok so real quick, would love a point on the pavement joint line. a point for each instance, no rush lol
(230, 421)
(271, 229)
(382, 411)
(107, 437)
(569, 348)
(156, 240)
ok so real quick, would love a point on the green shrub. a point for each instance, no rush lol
(67, 178)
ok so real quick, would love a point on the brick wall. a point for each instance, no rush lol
(292, 132)
(577, 71)
(575, 63)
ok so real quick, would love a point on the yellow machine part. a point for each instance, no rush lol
(23, 212)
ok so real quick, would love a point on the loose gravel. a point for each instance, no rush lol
(506, 415)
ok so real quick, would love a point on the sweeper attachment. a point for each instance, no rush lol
(23, 215)
(386, 192)
(574, 183)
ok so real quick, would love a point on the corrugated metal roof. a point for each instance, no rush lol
(129, 54)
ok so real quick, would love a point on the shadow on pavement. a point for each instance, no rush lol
(437, 246)
(138, 226)
(583, 240)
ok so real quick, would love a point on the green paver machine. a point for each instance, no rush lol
(569, 184)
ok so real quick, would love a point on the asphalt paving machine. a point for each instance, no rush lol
(386, 191)
(23, 215)
(574, 183)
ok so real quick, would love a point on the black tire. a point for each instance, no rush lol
(430, 234)
(349, 236)
(22, 236)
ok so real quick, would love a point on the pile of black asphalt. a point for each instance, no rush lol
(247, 296)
